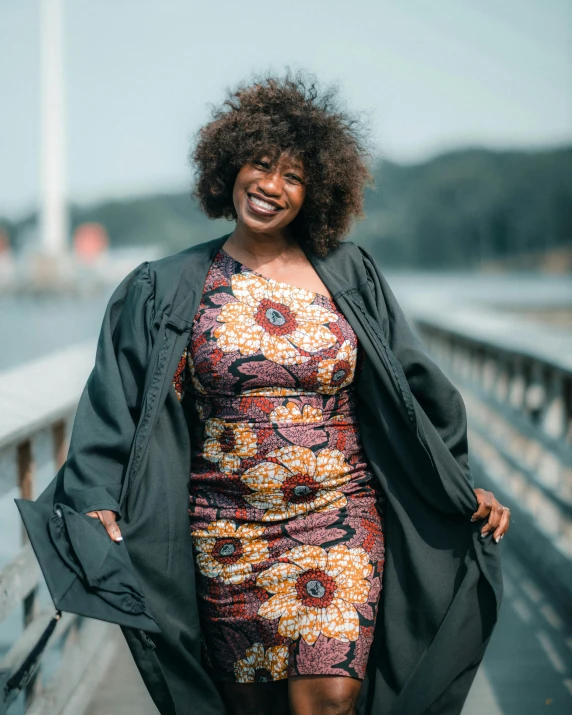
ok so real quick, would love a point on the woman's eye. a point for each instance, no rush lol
(261, 163)
(295, 178)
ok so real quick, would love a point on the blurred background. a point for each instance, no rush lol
(470, 108)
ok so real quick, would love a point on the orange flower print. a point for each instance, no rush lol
(293, 481)
(228, 552)
(275, 318)
(335, 373)
(261, 666)
(227, 443)
(291, 413)
(316, 592)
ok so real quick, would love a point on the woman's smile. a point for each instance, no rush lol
(262, 207)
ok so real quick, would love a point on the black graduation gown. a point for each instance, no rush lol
(130, 452)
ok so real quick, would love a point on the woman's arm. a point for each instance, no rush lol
(108, 410)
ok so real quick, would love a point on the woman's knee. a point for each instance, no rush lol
(337, 704)
(324, 695)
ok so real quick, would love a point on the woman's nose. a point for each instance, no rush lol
(271, 183)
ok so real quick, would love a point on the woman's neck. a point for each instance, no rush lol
(260, 246)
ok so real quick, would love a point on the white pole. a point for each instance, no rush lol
(53, 213)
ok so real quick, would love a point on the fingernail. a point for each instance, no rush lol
(483, 533)
(502, 536)
(473, 518)
(118, 538)
(498, 539)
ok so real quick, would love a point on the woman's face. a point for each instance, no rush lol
(268, 195)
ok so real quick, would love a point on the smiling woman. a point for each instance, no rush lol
(260, 417)
(286, 517)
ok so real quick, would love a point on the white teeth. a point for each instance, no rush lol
(263, 204)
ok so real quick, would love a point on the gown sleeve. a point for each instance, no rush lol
(442, 405)
(109, 407)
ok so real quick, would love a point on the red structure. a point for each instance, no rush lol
(90, 240)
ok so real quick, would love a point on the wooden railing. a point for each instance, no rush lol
(39, 399)
(518, 393)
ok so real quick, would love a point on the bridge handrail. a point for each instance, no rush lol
(41, 395)
(501, 331)
(517, 389)
(527, 373)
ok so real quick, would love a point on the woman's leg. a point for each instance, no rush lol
(323, 695)
(256, 698)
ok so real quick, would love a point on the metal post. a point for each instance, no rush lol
(54, 219)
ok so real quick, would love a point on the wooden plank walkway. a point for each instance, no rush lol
(121, 690)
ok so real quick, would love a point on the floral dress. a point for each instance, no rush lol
(286, 518)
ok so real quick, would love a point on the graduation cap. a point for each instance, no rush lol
(86, 572)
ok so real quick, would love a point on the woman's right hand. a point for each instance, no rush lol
(109, 520)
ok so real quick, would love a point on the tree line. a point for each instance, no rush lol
(460, 209)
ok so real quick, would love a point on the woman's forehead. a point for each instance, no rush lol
(283, 156)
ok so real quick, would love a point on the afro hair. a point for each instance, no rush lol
(287, 114)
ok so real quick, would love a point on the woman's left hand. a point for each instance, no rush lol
(499, 515)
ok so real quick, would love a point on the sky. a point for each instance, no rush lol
(140, 77)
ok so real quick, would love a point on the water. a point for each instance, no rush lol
(31, 327)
